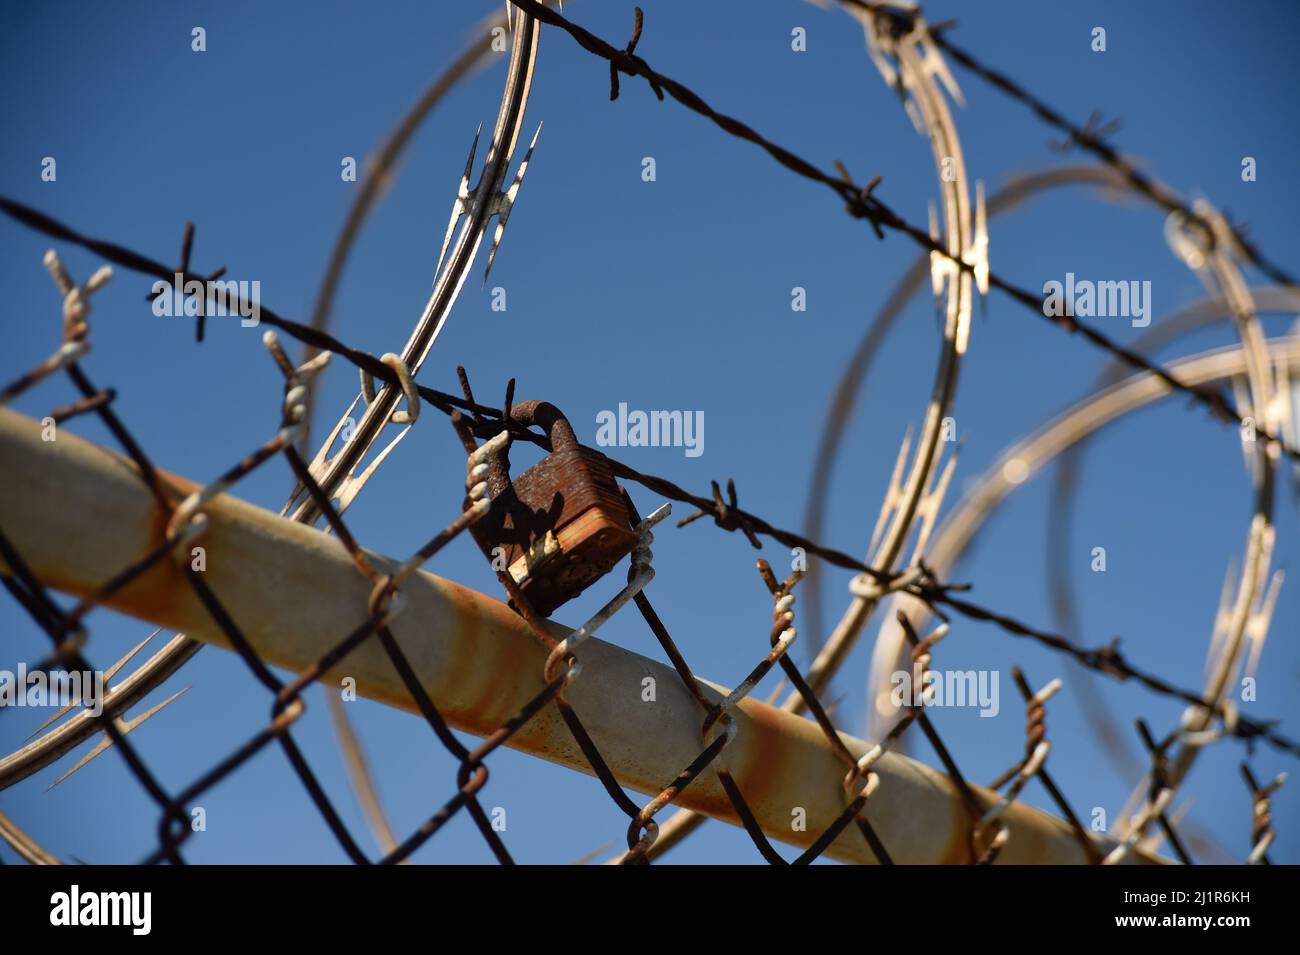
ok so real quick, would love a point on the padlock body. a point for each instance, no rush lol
(563, 526)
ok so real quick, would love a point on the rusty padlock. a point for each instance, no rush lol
(562, 524)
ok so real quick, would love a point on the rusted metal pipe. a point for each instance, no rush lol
(78, 514)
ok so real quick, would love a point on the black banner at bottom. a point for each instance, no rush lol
(220, 904)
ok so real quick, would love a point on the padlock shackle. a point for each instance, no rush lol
(549, 418)
(526, 414)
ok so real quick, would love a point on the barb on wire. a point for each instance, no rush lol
(628, 59)
(187, 246)
(726, 514)
(1159, 796)
(1035, 733)
(1035, 729)
(1035, 725)
(1094, 128)
(1261, 824)
(920, 510)
(1030, 766)
(125, 727)
(972, 803)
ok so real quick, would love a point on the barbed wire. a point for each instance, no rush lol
(1092, 138)
(1261, 825)
(486, 421)
(1031, 766)
(1108, 660)
(862, 202)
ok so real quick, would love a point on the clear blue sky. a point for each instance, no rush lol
(673, 294)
